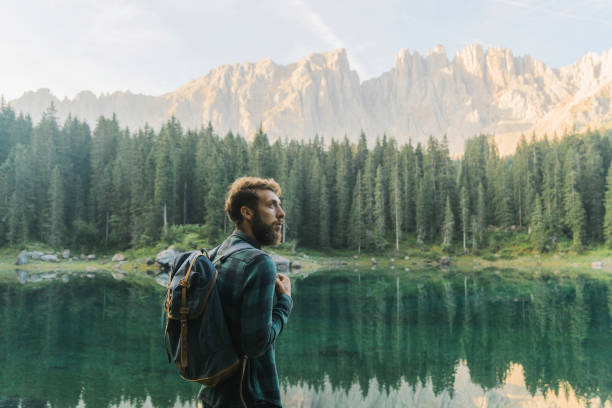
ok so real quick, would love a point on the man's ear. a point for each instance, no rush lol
(246, 213)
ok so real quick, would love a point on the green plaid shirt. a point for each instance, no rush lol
(246, 285)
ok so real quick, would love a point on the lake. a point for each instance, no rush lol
(356, 338)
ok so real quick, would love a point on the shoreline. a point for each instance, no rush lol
(596, 263)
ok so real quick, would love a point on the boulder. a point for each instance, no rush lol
(296, 265)
(66, 254)
(444, 261)
(150, 261)
(49, 258)
(22, 258)
(282, 264)
(373, 260)
(91, 257)
(119, 257)
(166, 257)
(36, 254)
(597, 265)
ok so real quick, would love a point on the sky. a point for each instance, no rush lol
(155, 46)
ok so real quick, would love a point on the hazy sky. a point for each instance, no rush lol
(154, 46)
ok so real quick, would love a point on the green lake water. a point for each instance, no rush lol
(379, 338)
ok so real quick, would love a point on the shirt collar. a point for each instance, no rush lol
(245, 237)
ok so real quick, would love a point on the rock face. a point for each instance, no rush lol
(119, 257)
(49, 258)
(22, 258)
(478, 91)
(282, 264)
(166, 257)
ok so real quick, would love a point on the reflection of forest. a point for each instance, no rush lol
(96, 340)
(99, 340)
(391, 328)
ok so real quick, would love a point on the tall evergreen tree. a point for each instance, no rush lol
(464, 206)
(607, 227)
(379, 211)
(538, 230)
(356, 225)
(56, 215)
(448, 226)
(324, 221)
(574, 210)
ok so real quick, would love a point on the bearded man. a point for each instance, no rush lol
(247, 282)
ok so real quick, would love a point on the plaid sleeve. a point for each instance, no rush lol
(261, 321)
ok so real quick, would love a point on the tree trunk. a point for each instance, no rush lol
(165, 218)
(107, 226)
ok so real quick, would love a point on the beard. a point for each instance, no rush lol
(265, 234)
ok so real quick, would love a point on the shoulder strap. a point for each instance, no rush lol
(227, 251)
(233, 249)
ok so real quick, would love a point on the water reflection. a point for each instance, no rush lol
(374, 338)
(352, 331)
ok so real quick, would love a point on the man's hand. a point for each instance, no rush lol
(283, 285)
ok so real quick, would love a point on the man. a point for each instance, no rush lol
(247, 283)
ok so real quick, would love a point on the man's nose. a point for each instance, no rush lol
(280, 213)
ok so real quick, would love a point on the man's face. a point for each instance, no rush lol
(268, 218)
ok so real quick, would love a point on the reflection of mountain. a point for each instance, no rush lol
(99, 341)
(349, 329)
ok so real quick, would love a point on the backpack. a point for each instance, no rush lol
(196, 330)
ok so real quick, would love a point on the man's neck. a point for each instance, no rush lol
(246, 228)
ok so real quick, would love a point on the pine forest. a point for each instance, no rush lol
(65, 184)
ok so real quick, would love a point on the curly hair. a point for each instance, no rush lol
(243, 191)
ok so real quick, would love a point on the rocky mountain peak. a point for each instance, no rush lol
(480, 91)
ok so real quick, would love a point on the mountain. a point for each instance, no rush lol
(478, 91)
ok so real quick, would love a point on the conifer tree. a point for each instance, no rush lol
(324, 220)
(368, 185)
(342, 203)
(464, 206)
(293, 201)
(448, 226)
(607, 227)
(379, 211)
(593, 190)
(56, 214)
(481, 213)
(574, 210)
(396, 196)
(260, 155)
(520, 179)
(538, 230)
(356, 230)
(410, 183)
(16, 225)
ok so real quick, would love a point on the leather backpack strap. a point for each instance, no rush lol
(184, 311)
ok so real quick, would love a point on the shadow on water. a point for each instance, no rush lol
(97, 342)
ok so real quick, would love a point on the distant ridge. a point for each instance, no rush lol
(478, 91)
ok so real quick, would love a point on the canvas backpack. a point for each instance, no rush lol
(196, 332)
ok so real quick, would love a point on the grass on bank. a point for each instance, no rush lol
(500, 250)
